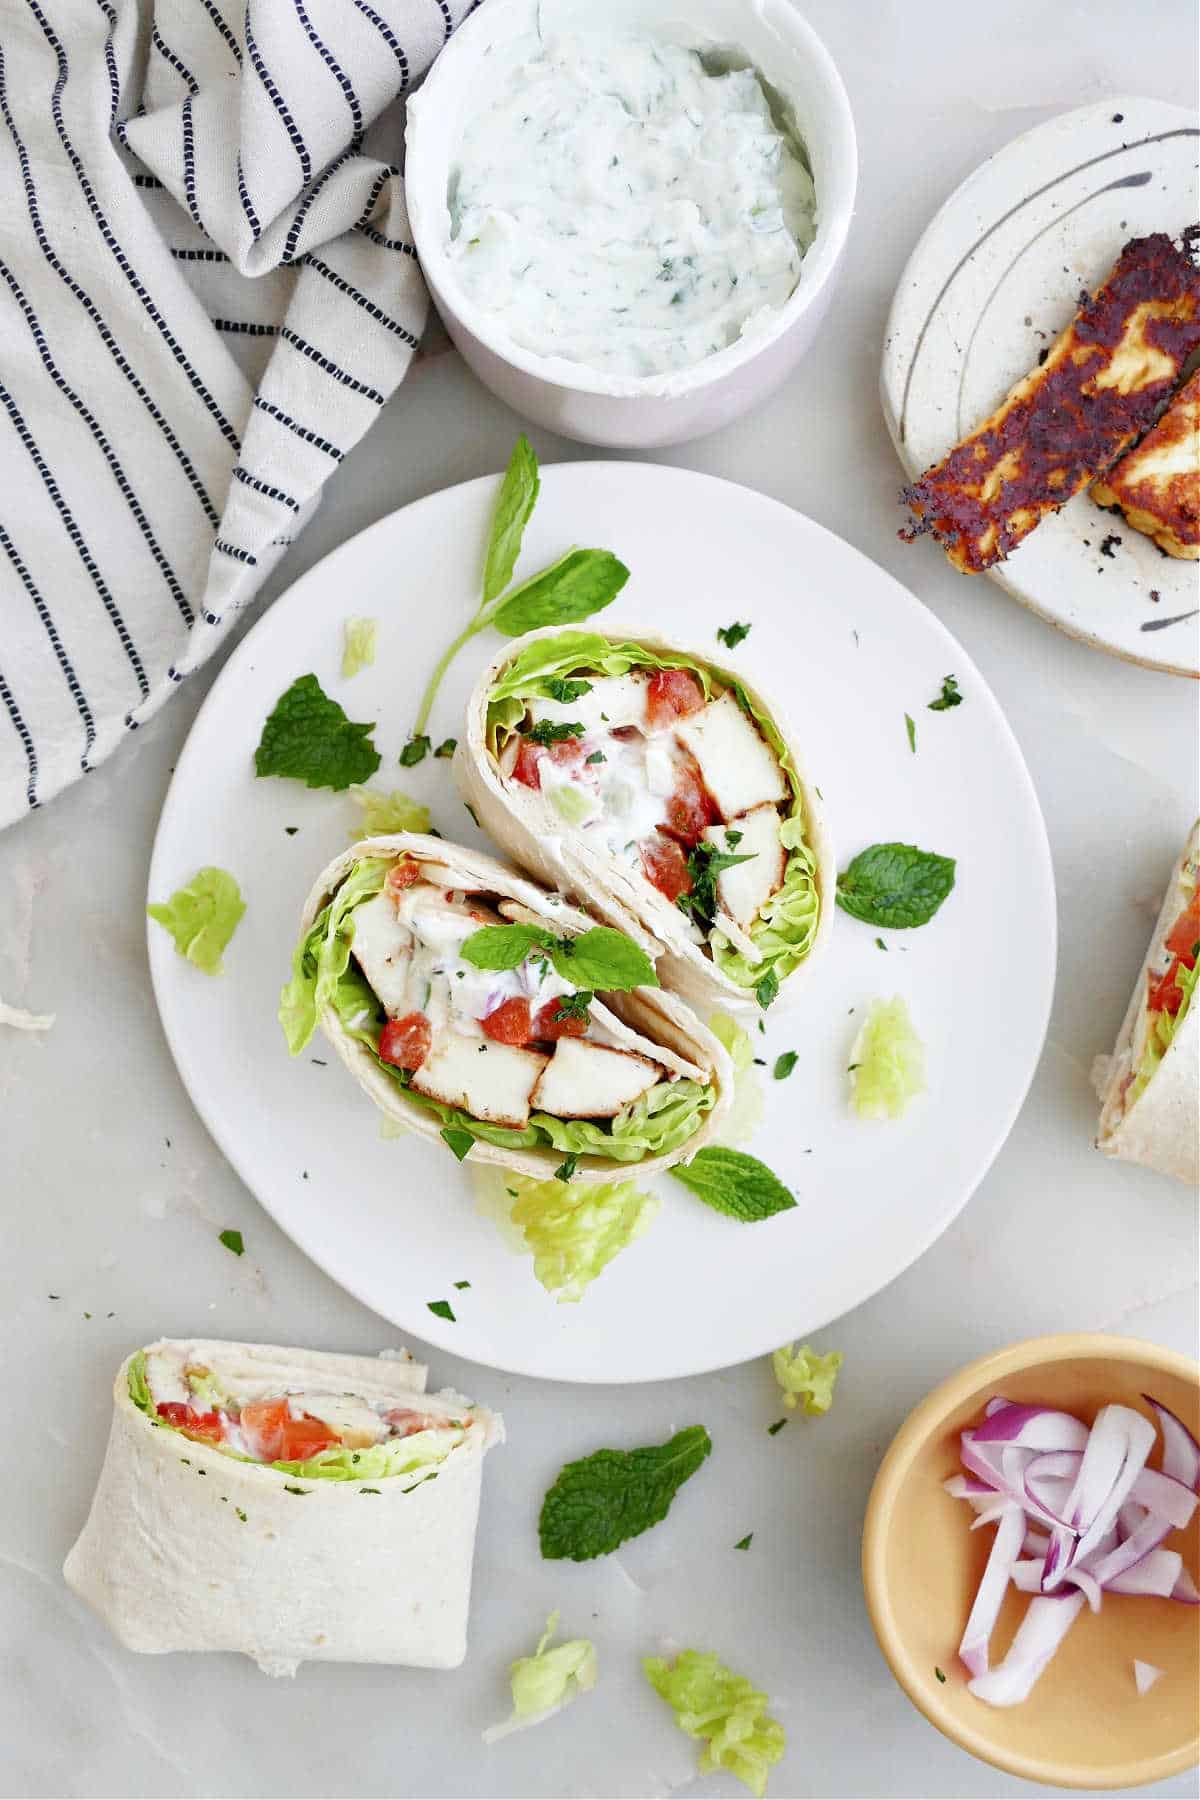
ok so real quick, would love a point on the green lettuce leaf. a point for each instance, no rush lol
(383, 814)
(139, 1387)
(323, 957)
(1163, 1029)
(745, 1115)
(784, 930)
(806, 1378)
(359, 650)
(887, 1063)
(710, 1702)
(377, 1462)
(202, 917)
(542, 1684)
(574, 1232)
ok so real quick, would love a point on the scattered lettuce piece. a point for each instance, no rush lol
(384, 814)
(745, 1115)
(359, 650)
(575, 1232)
(601, 1501)
(712, 1703)
(542, 1684)
(887, 1062)
(202, 917)
(308, 738)
(805, 1378)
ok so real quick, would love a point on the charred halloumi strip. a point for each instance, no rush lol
(1066, 422)
(1157, 486)
(588, 1081)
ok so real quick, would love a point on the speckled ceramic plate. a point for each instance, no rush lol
(993, 281)
(850, 651)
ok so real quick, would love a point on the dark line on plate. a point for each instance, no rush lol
(1159, 138)
(1141, 179)
(1161, 624)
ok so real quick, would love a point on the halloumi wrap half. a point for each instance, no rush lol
(1149, 1087)
(293, 1505)
(474, 1007)
(664, 790)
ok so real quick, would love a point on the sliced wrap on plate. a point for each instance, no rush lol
(474, 1006)
(292, 1505)
(1150, 1086)
(664, 790)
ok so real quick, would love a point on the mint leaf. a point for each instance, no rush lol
(565, 691)
(705, 862)
(767, 990)
(415, 751)
(232, 1240)
(459, 1141)
(579, 584)
(912, 733)
(504, 946)
(442, 1309)
(308, 738)
(896, 885)
(549, 731)
(602, 960)
(202, 917)
(514, 505)
(744, 1543)
(785, 1064)
(732, 635)
(447, 747)
(948, 697)
(567, 1167)
(733, 1183)
(600, 1502)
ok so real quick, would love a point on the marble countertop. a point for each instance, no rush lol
(114, 1193)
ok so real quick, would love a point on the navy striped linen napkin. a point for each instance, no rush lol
(207, 292)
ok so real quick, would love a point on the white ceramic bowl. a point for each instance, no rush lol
(637, 413)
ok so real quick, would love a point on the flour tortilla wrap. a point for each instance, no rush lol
(527, 828)
(340, 1571)
(1161, 1129)
(681, 1042)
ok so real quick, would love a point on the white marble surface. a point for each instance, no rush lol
(114, 1194)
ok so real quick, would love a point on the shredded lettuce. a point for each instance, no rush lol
(887, 1062)
(139, 1387)
(784, 931)
(202, 917)
(423, 1450)
(359, 647)
(805, 1378)
(383, 814)
(323, 957)
(1163, 1029)
(712, 1703)
(542, 1684)
(745, 1115)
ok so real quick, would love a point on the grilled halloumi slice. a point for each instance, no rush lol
(737, 765)
(1157, 486)
(588, 1081)
(488, 1080)
(382, 948)
(744, 889)
(1101, 385)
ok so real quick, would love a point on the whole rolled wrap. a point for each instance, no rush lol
(528, 830)
(189, 1548)
(1160, 1128)
(646, 1016)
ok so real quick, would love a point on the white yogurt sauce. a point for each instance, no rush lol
(615, 204)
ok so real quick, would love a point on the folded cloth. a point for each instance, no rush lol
(207, 292)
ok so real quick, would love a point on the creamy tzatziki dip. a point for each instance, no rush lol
(619, 202)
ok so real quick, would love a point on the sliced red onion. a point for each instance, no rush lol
(1185, 1589)
(989, 1596)
(1027, 1575)
(1033, 1428)
(1166, 1495)
(1036, 1543)
(1181, 1452)
(1129, 1517)
(1156, 1574)
(1148, 1536)
(1145, 1675)
(1117, 1448)
(1047, 1621)
(1087, 1584)
(968, 1487)
(996, 1404)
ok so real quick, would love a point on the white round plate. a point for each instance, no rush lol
(396, 1220)
(992, 282)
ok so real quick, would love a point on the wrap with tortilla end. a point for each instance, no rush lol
(537, 1051)
(292, 1505)
(1149, 1087)
(663, 790)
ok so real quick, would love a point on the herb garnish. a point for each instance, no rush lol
(767, 989)
(597, 756)
(551, 731)
(732, 635)
(948, 697)
(896, 885)
(232, 1240)
(579, 584)
(705, 862)
(735, 1184)
(773, 1430)
(442, 1309)
(447, 747)
(567, 1167)
(459, 1141)
(912, 733)
(573, 1006)
(785, 1064)
(938, 1673)
(308, 738)
(600, 1502)
(462, 1284)
(600, 960)
(415, 751)
(744, 1543)
(565, 691)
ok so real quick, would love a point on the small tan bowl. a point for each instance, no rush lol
(1084, 1725)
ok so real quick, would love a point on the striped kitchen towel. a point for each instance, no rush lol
(207, 292)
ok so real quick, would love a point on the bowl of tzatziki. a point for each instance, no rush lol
(631, 221)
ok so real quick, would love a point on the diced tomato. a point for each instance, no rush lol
(566, 750)
(665, 867)
(509, 1023)
(547, 1024)
(1165, 994)
(672, 694)
(405, 1042)
(689, 810)
(272, 1435)
(402, 875)
(1185, 933)
(527, 768)
(206, 1426)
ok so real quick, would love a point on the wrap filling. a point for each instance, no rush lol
(1170, 986)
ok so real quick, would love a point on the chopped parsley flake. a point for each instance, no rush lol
(732, 635)
(948, 697)
(442, 1309)
(232, 1240)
